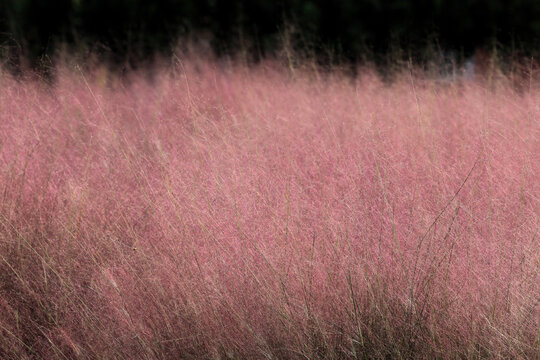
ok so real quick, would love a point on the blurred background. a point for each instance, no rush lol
(129, 31)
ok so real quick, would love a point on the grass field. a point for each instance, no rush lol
(214, 211)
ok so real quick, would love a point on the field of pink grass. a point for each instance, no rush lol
(215, 211)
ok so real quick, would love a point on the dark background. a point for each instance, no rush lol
(352, 30)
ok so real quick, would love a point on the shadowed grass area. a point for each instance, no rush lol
(220, 211)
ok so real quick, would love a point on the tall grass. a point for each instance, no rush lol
(216, 211)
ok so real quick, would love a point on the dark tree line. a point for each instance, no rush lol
(352, 29)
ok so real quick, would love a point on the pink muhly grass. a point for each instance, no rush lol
(232, 212)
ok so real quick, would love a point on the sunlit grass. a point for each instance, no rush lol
(214, 211)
